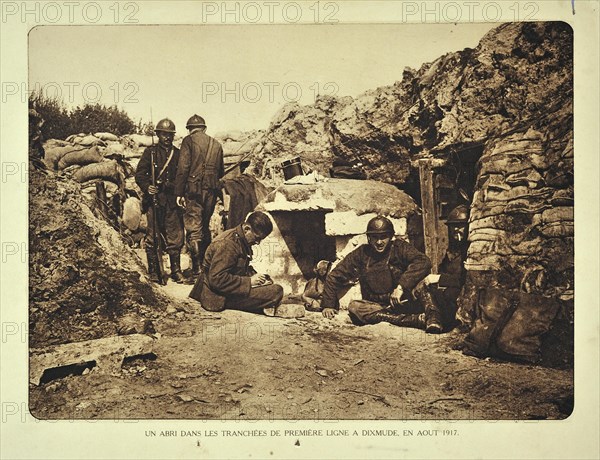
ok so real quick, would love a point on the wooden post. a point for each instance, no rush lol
(431, 230)
(101, 198)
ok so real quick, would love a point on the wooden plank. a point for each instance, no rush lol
(429, 209)
(108, 353)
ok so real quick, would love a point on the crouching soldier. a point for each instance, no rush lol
(439, 292)
(228, 280)
(388, 270)
(163, 159)
(313, 291)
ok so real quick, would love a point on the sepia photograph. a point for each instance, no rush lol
(267, 223)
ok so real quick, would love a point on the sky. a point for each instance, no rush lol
(236, 76)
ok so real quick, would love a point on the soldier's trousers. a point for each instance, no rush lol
(260, 297)
(445, 303)
(358, 309)
(170, 223)
(198, 211)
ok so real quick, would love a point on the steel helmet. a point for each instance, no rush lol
(459, 215)
(165, 125)
(380, 226)
(195, 121)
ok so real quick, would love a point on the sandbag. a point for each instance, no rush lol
(107, 136)
(108, 170)
(509, 324)
(53, 143)
(88, 140)
(115, 147)
(143, 141)
(53, 156)
(80, 157)
(72, 137)
(132, 213)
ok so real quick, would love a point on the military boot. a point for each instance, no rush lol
(152, 267)
(194, 248)
(416, 321)
(433, 316)
(176, 275)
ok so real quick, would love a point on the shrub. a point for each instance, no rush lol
(59, 122)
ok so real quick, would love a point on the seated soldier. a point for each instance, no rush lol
(227, 279)
(387, 270)
(313, 291)
(439, 292)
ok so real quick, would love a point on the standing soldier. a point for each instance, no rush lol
(197, 186)
(164, 158)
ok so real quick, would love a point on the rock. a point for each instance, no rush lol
(287, 310)
(53, 387)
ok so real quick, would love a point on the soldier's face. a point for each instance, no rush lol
(379, 243)
(251, 236)
(165, 139)
(457, 233)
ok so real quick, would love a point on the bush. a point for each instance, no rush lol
(59, 122)
(94, 118)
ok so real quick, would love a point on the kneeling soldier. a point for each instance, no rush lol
(228, 280)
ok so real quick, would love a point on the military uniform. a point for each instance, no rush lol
(170, 215)
(378, 275)
(198, 180)
(225, 278)
(444, 293)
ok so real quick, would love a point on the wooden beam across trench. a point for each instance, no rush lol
(108, 354)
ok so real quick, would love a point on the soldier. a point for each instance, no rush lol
(439, 292)
(197, 186)
(170, 218)
(387, 270)
(228, 280)
(36, 148)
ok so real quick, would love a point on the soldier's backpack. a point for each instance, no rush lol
(509, 324)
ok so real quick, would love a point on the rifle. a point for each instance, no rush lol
(156, 234)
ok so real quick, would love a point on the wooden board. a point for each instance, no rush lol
(108, 353)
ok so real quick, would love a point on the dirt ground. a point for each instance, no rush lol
(239, 366)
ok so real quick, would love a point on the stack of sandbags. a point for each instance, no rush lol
(521, 221)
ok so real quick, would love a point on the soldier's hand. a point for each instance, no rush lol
(329, 313)
(258, 280)
(432, 279)
(152, 189)
(396, 296)
(181, 201)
